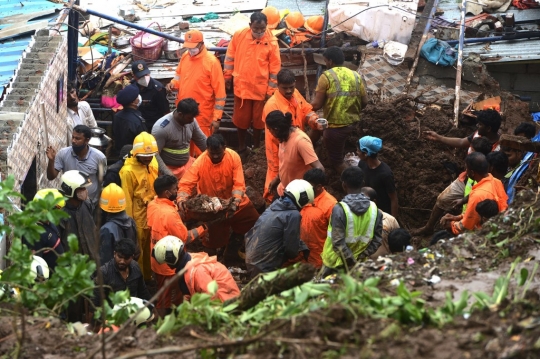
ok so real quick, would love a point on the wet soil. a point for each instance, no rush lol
(197, 208)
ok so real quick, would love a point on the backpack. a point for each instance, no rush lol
(439, 52)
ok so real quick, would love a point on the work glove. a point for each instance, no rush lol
(233, 207)
(322, 124)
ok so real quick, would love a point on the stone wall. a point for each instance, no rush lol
(22, 134)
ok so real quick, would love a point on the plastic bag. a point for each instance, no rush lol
(439, 52)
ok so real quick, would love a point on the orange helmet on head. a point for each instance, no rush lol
(272, 15)
(294, 20)
(314, 24)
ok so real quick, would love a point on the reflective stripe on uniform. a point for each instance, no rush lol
(229, 59)
(218, 107)
(221, 99)
(237, 193)
(176, 77)
(273, 76)
(272, 84)
(228, 67)
(176, 152)
(368, 235)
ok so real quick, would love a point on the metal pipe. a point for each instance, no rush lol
(73, 42)
(513, 36)
(174, 38)
(459, 62)
(422, 41)
(323, 38)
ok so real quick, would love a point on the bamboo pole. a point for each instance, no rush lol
(459, 62)
(422, 41)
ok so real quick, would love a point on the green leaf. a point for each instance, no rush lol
(523, 275)
(212, 287)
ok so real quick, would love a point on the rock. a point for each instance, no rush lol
(493, 345)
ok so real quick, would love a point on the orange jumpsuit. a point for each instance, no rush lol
(223, 180)
(202, 269)
(314, 225)
(254, 64)
(201, 78)
(302, 115)
(164, 220)
(488, 188)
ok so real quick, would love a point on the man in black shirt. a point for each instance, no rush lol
(128, 123)
(121, 273)
(378, 174)
(154, 96)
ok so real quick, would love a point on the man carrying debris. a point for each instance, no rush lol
(253, 60)
(201, 269)
(173, 134)
(316, 216)
(341, 94)
(129, 122)
(389, 224)
(287, 99)
(489, 122)
(199, 75)
(137, 176)
(164, 220)
(79, 112)
(355, 229)
(378, 174)
(275, 238)
(296, 153)
(79, 156)
(487, 187)
(218, 172)
(154, 103)
(117, 223)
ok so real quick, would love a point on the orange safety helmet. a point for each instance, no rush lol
(314, 24)
(294, 20)
(272, 15)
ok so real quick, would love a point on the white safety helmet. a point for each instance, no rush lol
(39, 268)
(146, 316)
(71, 180)
(168, 250)
(300, 191)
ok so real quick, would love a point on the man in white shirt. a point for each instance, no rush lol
(79, 112)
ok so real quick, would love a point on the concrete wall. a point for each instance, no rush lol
(22, 136)
(521, 79)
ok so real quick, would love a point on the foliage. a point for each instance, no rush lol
(73, 270)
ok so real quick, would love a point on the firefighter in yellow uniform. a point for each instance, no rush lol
(138, 174)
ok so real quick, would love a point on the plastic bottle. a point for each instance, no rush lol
(377, 44)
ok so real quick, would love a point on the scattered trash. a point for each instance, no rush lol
(409, 249)
(410, 261)
(394, 282)
(237, 270)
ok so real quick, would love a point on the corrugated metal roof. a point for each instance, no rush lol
(501, 51)
(506, 51)
(12, 49)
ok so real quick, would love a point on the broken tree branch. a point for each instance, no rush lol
(259, 288)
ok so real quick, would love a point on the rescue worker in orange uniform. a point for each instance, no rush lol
(199, 75)
(218, 173)
(200, 269)
(287, 99)
(316, 216)
(164, 220)
(138, 174)
(486, 187)
(253, 60)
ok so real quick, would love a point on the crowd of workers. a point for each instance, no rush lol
(167, 158)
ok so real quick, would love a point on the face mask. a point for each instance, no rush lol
(193, 52)
(78, 149)
(144, 81)
(82, 195)
(173, 197)
(140, 100)
(257, 35)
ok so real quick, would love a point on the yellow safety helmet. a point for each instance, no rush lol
(42, 193)
(144, 145)
(314, 24)
(113, 199)
(294, 20)
(272, 16)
